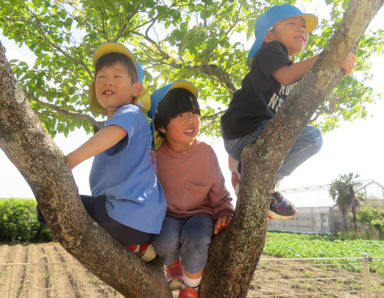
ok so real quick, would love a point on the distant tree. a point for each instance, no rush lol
(343, 192)
(372, 217)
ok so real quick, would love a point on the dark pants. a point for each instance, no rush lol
(95, 206)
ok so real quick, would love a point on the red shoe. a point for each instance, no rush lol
(144, 251)
(174, 275)
(188, 292)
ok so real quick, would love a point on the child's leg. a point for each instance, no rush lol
(191, 284)
(234, 165)
(167, 247)
(234, 148)
(174, 275)
(195, 239)
(280, 208)
(137, 241)
(307, 145)
(167, 243)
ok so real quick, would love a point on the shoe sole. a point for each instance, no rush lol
(149, 254)
(274, 216)
(175, 284)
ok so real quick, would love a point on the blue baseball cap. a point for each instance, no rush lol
(158, 95)
(275, 14)
(142, 101)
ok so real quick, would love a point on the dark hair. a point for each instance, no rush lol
(175, 102)
(112, 59)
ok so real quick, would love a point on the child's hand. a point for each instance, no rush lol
(348, 64)
(221, 223)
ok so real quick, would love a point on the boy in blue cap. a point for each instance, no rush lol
(127, 199)
(199, 205)
(281, 32)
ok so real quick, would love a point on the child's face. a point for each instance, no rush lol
(114, 87)
(181, 131)
(291, 32)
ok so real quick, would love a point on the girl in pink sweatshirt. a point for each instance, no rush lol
(199, 205)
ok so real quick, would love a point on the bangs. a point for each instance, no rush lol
(111, 59)
(179, 101)
(175, 102)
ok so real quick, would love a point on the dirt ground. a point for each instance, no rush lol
(47, 270)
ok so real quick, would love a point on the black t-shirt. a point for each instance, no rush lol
(260, 95)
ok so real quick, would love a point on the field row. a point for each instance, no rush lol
(46, 270)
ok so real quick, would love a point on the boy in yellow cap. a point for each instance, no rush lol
(281, 32)
(127, 199)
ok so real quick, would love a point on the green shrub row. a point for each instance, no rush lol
(18, 222)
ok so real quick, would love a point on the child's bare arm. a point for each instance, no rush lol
(290, 74)
(101, 141)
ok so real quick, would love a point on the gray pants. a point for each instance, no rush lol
(308, 144)
(188, 238)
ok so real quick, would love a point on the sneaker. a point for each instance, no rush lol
(174, 275)
(233, 165)
(280, 208)
(144, 251)
(188, 292)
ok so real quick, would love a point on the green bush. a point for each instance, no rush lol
(18, 221)
(372, 217)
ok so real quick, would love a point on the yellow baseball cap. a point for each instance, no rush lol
(142, 101)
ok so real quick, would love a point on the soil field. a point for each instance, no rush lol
(47, 270)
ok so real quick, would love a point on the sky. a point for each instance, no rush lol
(355, 146)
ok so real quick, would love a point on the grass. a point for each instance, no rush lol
(291, 245)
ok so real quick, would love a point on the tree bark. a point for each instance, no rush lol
(32, 151)
(344, 214)
(235, 254)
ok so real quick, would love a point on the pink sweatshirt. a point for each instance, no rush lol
(193, 182)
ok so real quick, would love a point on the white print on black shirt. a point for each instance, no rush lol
(279, 98)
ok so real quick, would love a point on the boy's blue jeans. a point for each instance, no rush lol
(188, 238)
(307, 144)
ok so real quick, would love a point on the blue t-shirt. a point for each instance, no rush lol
(126, 175)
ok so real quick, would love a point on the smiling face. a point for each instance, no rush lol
(177, 119)
(291, 32)
(114, 87)
(182, 131)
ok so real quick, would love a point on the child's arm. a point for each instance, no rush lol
(101, 141)
(290, 74)
(221, 223)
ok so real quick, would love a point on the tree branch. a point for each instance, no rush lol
(55, 45)
(235, 21)
(220, 75)
(238, 250)
(91, 120)
(28, 145)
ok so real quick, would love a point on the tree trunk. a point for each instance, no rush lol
(344, 214)
(234, 254)
(32, 151)
(354, 219)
